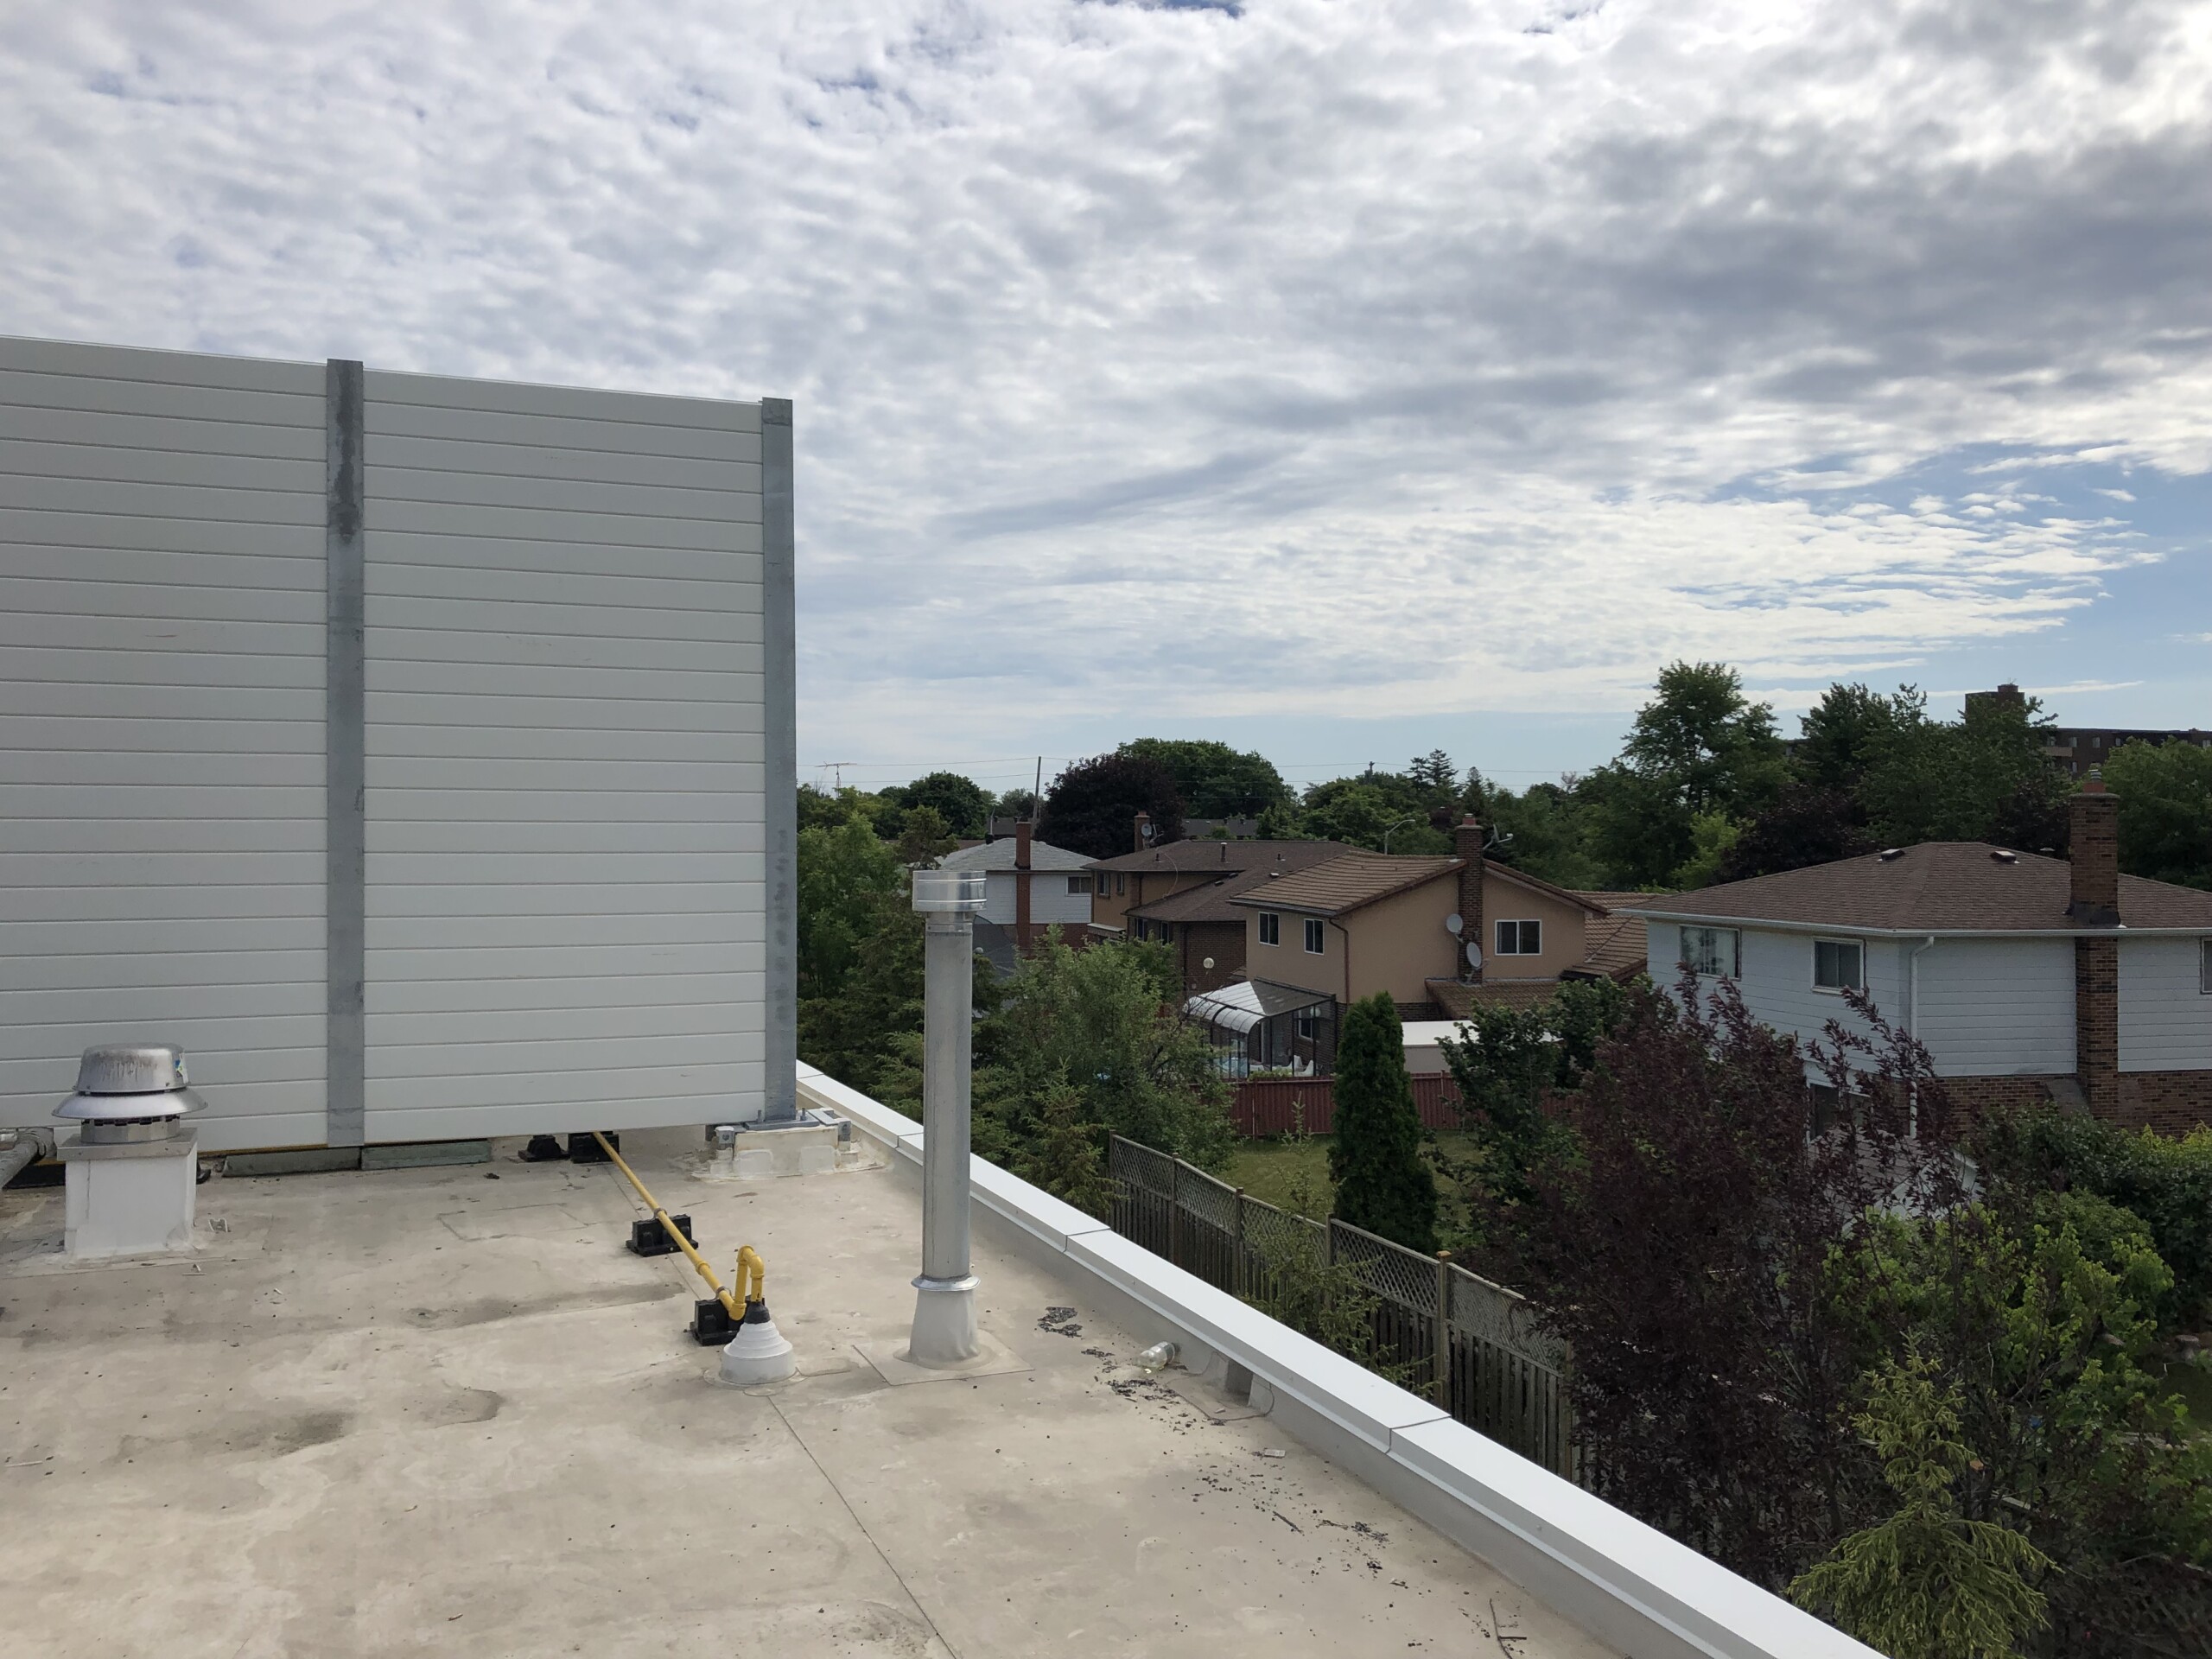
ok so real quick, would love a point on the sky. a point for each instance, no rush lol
(1344, 379)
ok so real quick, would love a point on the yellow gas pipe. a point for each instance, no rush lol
(748, 1259)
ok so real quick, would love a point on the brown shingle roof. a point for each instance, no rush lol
(1943, 887)
(1457, 999)
(1346, 882)
(1217, 856)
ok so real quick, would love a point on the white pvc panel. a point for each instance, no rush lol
(566, 891)
(161, 727)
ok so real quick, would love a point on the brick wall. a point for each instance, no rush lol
(1972, 1097)
(2096, 1022)
(2173, 1103)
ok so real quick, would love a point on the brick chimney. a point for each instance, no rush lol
(1142, 841)
(2095, 902)
(1021, 832)
(1467, 848)
(2095, 833)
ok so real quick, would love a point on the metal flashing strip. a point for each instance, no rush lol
(780, 789)
(344, 748)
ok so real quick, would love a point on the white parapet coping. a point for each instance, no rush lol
(1627, 1583)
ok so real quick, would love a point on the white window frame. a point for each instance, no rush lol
(1727, 942)
(1857, 945)
(1317, 936)
(1518, 948)
(1270, 927)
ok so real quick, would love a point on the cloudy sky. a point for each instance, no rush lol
(1341, 376)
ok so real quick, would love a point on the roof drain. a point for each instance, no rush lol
(755, 1351)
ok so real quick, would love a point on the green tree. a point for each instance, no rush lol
(924, 837)
(960, 802)
(1366, 811)
(1092, 807)
(1214, 780)
(1104, 1022)
(1712, 838)
(1382, 1183)
(845, 878)
(1544, 830)
(1839, 733)
(1435, 773)
(1713, 746)
(2165, 811)
(821, 809)
(1064, 1154)
(1927, 1583)
(1983, 776)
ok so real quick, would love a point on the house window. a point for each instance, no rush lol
(1078, 884)
(1105, 884)
(1121, 885)
(1163, 931)
(1715, 952)
(1315, 942)
(1838, 965)
(1520, 939)
(2204, 968)
(1270, 928)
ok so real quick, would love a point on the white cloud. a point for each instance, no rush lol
(1167, 359)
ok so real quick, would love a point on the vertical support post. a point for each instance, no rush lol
(345, 766)
(1441, 1359)
(779, 756)
(1240, 1271)
(945, 1301)
(1175, 1210)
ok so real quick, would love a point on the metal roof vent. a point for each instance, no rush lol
(2004, 857)
(1889, 852)
(129, 1092)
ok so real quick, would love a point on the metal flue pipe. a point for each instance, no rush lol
(945, 1300)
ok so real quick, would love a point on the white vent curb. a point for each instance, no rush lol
(1626, 1583)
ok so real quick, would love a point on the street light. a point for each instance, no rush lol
(1393, 830)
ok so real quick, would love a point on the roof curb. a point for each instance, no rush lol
(1627, 1583)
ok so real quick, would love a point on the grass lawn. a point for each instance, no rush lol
(1269, 1170)
(2194, 1384)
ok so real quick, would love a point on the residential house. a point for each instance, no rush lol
(1197, 918)
(1123, 888)
(1028, 885)
(1437, 933)
(2026, 977)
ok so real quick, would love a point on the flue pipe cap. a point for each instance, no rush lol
(948, 892)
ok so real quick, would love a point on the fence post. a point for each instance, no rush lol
(1175, 1210)
(1329, 1235)
(1441, 1360)
(1240, 1277)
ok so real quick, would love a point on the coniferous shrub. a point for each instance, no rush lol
(1382, 1183)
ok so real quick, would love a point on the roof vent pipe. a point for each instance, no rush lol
(944, 1332)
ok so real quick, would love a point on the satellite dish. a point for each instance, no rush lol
(1475, 957)
(1453, 926)
(1209, 965)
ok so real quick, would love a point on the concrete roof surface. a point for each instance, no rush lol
(428, 1412)
(1946, 885)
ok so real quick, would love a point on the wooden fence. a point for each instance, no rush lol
(1471, 1346)
(1263, 1107)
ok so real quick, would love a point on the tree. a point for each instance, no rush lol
(1435, 773)
(1681, 1242)
(1382, 1183)
(1927, 1583)
(2165, 811)
(960, 801)
(1366, 811)
(1213, 780)
(1015, 804)
(1810, 823)
(1064, 1154)
(1710, 745)
(1839, 735)
(1712, 837)
(1104, 1023)
(846, 877)
(1545, 830)
(1091, 808)
(1983, 776)
(924, 837)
